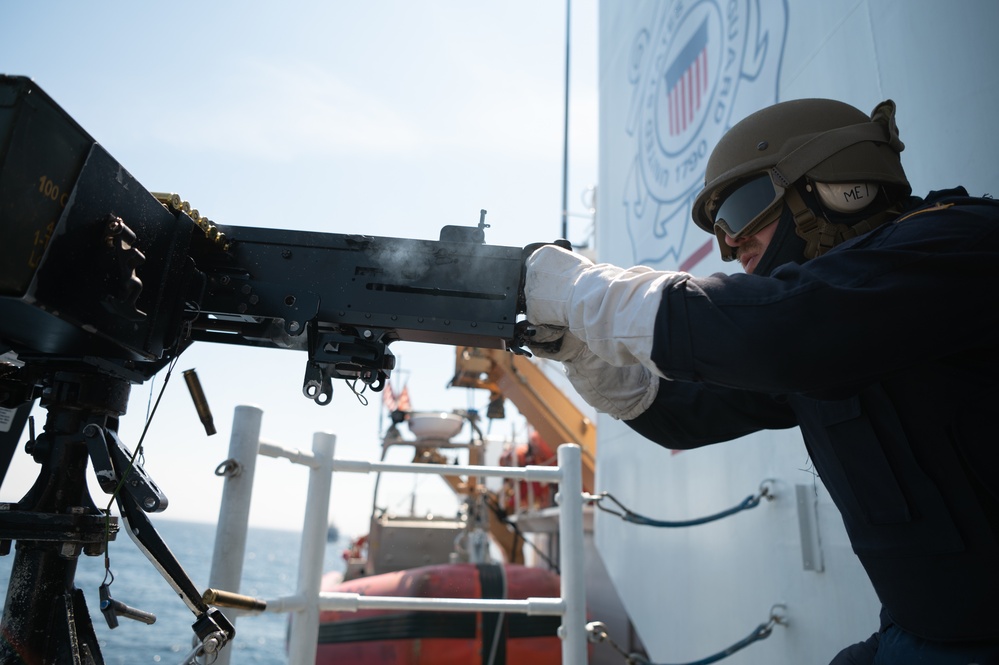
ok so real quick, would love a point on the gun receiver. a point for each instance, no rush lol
(345, 298)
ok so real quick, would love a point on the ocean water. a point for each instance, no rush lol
(270, 571)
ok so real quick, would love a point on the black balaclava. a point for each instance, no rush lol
(785, 247)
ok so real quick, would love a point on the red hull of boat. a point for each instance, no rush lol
(443, 638)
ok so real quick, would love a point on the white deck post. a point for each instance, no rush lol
(571, 548)
(302, 644)
(234, 511)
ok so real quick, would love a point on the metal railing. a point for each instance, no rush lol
(307, 602)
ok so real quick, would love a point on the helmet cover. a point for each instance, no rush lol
(820, 140)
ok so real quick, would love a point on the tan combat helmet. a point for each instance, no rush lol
(847, 158)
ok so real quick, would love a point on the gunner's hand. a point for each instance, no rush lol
(555, 343)
(622, 392)
(611, 310)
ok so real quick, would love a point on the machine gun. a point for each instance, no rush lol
(102, 284)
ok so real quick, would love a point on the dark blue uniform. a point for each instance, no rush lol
(885, 352)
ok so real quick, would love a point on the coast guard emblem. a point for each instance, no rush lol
(699, 68)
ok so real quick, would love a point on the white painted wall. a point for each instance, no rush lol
(692, 592)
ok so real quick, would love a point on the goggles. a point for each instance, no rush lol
(748, 208)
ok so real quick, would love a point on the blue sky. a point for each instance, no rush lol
(389, 118)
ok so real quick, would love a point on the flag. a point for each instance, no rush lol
(404, 403)
(388, 398)
(393, 403)
(687, 81)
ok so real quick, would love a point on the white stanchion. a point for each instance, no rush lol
(571, 546)
(302, 645)
(234, 511)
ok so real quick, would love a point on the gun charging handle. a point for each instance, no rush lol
(112, 609)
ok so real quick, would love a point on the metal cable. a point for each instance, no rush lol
(630, 516)
(502, 515)
(597, 632)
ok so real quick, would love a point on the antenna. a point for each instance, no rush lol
(565, 128)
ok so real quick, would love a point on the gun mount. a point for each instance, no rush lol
(103, 284)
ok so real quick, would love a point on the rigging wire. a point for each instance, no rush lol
(630, 516)
(502, 515)
(597, 632)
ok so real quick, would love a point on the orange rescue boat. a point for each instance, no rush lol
(443, 638)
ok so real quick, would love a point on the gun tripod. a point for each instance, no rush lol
(45, 619)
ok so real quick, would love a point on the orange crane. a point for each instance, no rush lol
(553, 415)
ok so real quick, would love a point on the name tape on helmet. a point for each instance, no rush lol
(847, 196)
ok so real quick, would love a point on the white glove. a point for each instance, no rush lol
(621, 392)
(549, 342)
(611, 310)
